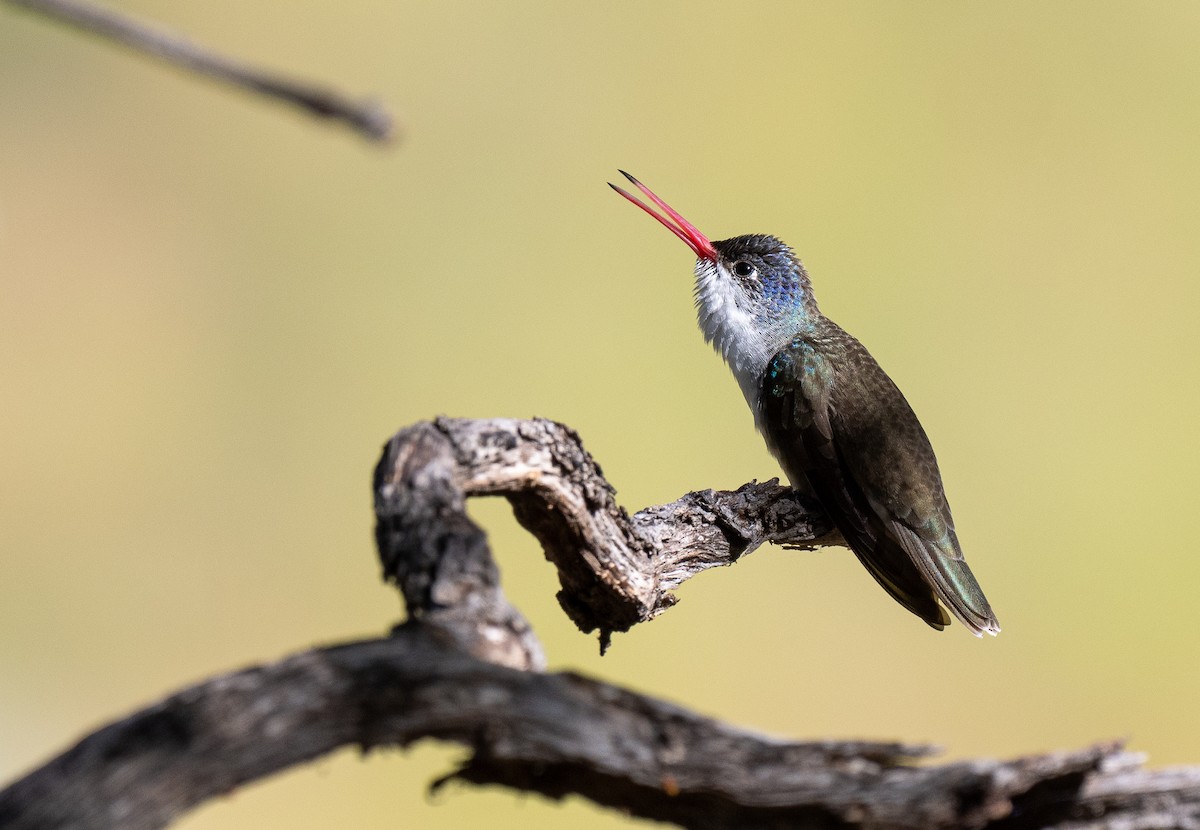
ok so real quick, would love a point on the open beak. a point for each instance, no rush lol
(673, 222)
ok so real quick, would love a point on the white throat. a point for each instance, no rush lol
(745, 343)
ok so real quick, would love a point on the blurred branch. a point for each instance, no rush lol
(559, 734)
(458, 671)
(368, 118)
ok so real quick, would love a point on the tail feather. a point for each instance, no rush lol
(951, 579)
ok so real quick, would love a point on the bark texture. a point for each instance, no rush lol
(559, 734)
(464, 669)
(615, 570)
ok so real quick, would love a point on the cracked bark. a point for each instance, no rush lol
(460, 670)
(615, 570)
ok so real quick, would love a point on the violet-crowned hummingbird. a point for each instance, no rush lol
(836, 422)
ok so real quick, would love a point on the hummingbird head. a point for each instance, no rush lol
(752, 293)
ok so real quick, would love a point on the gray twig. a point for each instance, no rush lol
(368, 118)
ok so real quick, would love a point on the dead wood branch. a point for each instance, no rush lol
(458, 671)
(560, 734)
(615, 570)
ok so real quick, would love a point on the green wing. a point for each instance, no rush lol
(853, 436)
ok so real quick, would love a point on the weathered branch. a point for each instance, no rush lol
(615, 570)
(368, 118)
(458, 671)
(555, 735)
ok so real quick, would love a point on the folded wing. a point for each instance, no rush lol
(850, 432)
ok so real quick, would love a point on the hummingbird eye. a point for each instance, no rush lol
(743, 269)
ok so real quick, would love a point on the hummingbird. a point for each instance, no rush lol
(837, 424)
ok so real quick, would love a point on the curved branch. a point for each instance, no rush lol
(615, 570)
(558, 734)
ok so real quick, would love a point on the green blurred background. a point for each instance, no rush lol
(213, 312)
